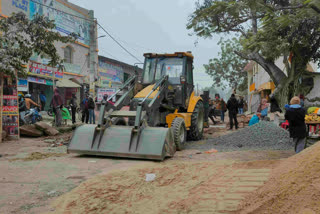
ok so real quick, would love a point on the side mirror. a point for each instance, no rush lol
(182, 79)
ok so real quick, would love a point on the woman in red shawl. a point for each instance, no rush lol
(56, 104)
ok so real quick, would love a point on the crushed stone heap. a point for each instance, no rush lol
(261, 136)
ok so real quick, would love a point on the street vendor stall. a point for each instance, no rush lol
(312, 120)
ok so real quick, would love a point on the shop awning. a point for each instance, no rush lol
(65, 83)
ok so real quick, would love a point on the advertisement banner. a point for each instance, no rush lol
(10, 108)
(65, 23)
(109, 72)
(22, 85)
(42, 70)
(103, 91)
(40, 81)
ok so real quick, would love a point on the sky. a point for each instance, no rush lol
(144, 26)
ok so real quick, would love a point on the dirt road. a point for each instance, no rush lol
(30, 181)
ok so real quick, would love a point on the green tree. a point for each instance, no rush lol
(268, 30)
(226, 70)
(21, 37)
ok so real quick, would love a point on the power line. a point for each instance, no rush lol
(118, 43)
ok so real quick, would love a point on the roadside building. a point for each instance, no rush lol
(260, 84)
(112, 74)
(80, 57)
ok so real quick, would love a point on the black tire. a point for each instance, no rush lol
(49, 112)
(39, 118)
(119, 121)
(197, 119)
(179, 132)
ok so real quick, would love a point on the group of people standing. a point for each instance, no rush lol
(233, 106)
(88, 106)
(294, 114)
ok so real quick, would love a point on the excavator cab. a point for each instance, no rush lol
(163, 114)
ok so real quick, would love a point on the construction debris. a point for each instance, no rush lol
(48, 130)
(261, 136)
(38, 156)
(30, 131)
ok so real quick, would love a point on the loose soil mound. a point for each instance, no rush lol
(38, 156)
(179, 187)
(294, 187)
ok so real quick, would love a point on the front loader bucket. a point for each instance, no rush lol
(116, 141)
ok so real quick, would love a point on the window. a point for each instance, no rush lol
(189, 73)
(68, 54)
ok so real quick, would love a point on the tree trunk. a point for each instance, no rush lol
(274, 71)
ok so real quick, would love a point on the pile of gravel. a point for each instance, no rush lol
(261, 136)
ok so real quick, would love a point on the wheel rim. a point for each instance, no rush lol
(200, 120)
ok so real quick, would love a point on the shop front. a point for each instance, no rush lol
(41, 79)
(67, 88)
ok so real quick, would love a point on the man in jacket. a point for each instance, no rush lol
(232, 106)
(73, 104)
(241, 105)
(56, 104)
(223, 109)
(295, 114)
(43, 100)
(91, 107)
(85, 109)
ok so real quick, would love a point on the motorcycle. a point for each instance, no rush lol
(32, 116)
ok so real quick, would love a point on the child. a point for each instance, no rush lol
(295, 115)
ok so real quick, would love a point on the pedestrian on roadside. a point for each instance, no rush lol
(232, 106)
(57, 104)
(263, 108)
(275, 109)
(91, 106)
(43, 100)
(211, 111)
(295, 115)
(223, 109)
(73, 104)
(22, 108)
(85, 109)
(241, 105)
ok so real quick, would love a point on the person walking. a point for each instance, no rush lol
(295, 114)
(91, 106)
(85, 109)
(241, 105)
(73, 104)
(232, 106)
(223, 109)
(211, 111)
(43, 100)
(56, 104)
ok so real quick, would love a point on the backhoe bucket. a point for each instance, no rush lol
(123, 141)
